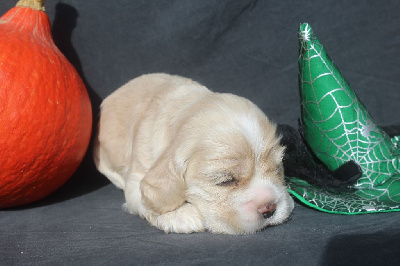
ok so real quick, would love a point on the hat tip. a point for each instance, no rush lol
(305, 32)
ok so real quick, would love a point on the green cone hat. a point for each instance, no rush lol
(338, 129)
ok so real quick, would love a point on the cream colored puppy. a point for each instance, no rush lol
(189, 159)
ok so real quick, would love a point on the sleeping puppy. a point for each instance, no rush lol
(191, 160)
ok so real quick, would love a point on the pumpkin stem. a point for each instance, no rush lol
(34, 4)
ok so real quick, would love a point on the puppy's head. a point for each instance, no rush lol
(235, 178)
(232, 171)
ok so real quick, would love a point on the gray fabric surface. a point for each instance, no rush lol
(249, 48)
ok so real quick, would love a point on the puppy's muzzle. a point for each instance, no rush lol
(267, 211)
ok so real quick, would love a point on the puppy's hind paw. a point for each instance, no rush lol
(185, 219)
(125, 208)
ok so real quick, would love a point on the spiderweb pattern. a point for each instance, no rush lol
(338, 128)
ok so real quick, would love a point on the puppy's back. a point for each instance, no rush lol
(134, 112)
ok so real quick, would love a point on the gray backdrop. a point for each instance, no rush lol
(245, 47)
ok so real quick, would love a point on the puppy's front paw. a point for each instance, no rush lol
(185, 219)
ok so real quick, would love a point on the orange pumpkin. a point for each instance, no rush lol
(45, 111)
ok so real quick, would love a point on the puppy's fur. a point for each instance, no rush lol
(189, 159)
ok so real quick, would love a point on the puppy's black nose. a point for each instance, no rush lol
(267, 211)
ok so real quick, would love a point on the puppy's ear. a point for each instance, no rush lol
(163, 187)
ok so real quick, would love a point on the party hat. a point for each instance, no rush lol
(338, 128)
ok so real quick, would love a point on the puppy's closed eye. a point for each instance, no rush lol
(227, 180)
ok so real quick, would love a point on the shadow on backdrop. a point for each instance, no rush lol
(367, 249)
(86, 179)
